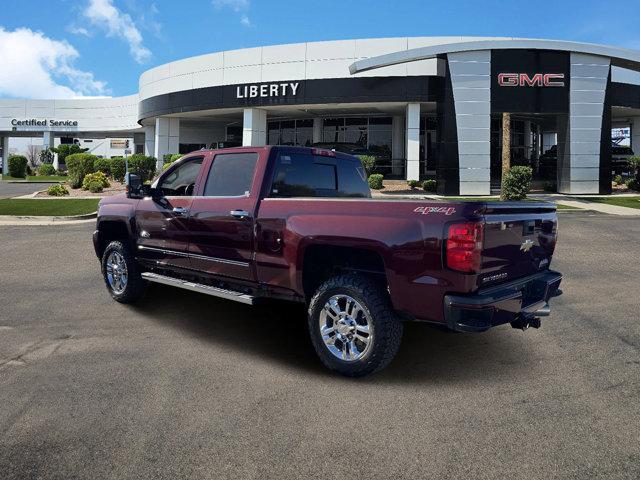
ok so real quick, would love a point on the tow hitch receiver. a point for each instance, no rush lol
(531, 318)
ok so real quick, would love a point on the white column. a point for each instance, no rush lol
(579, 172)
(5, 155)
(635, 135)
(47, 142)
(317, 130)
(254, 127)
(167, 138)
(413, 141)
(150, 141)
(397, 145)
(471, 83)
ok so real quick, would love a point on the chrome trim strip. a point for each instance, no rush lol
(194, 255)
(198, 287)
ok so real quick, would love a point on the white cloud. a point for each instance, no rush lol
(78, 31)
(235, 5)
(103, 14)
(35, 66)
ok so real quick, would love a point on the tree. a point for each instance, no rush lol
(46, 155)
(65, 150)
(33, 155)
(506, 149)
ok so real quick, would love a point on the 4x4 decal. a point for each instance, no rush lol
(430, 209)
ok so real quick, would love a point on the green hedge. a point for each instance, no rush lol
(429, 186)
(516, 183)
(46, 169)
(143, 166)
(368, 163)
(118, 168)
(18, 166)
(413, 184)
(102, 165)
(375, 181)
(78, 166)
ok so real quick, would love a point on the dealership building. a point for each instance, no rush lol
(426, 107)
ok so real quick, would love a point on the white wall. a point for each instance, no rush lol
(92, 114)
(298, 61)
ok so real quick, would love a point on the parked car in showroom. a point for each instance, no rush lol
(252, 224)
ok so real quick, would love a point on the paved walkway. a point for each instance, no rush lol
(9, 190)
(584, 203)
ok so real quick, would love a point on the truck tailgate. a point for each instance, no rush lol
(519, 240)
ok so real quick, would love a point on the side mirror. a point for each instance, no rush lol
(134, 186)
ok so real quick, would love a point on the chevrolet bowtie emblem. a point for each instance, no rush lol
(526, 245)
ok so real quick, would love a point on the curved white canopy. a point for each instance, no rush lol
(620, 57)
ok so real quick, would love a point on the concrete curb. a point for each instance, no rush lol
(4, 219)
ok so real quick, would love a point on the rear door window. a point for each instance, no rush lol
(306, 175)
(231, 175)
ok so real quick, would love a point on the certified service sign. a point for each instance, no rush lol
(33, 122)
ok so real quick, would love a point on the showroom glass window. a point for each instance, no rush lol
(231, 175)
(290, 132)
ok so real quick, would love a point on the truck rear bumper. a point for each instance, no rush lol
(520, 303)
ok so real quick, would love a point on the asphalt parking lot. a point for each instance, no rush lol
(14, 189)
(187, 386)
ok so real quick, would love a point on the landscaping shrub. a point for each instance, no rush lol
(633, 184)
(29, 170)
(97, 177)
(118, 168)
(368, 163)
(429, 186)
(413, 184)
(18, 166)
(166, 158)
(175, 156)
(634, 164)
(143, 166)
(375, 181)
(78, 166)
(46, 169)
(57, 190)
(102, 165)
(94, 186)
(516, 183)
(550, 187)
(618, 180)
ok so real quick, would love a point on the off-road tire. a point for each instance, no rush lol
(135, 286)
(387, 327)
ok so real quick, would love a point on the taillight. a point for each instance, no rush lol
(323, 152)
(464, 246)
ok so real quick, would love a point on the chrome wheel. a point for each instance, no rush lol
(345, 328)
(117, 273)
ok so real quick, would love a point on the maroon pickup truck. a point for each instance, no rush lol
(253, 224)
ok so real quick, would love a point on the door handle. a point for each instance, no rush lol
(180, 211)
(241, 214)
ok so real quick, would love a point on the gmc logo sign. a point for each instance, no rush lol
(537, 80)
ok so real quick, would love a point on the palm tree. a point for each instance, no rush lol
(506, 149)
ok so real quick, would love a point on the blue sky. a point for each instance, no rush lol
(65, 48)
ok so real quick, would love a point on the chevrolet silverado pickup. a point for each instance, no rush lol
(252, 224)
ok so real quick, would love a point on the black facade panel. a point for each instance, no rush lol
(448, 160)
(308, 92)
(625, 95)
(529, 99)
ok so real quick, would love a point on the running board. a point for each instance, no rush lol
(198, 287)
